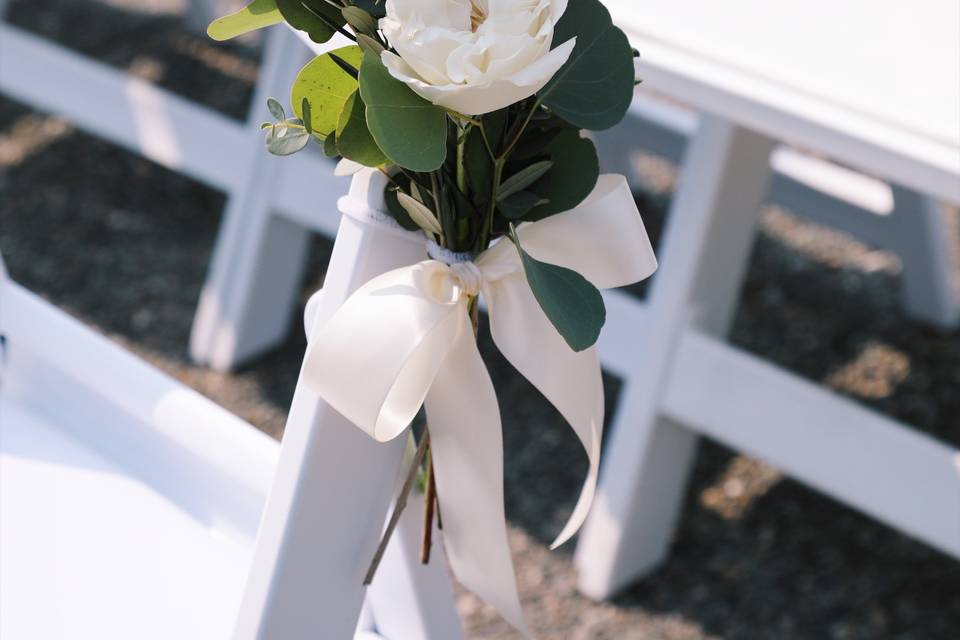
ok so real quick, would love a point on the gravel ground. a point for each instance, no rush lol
(123, 245)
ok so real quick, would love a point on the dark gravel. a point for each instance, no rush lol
(123, 245)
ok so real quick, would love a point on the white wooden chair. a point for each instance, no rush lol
(268, 213)
(130, 503)
(681, 379)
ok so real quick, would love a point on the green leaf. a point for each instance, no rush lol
(306, 114)
(276, 109)
(376, 8)
(594, 88)
(360, 20)
(256, 15)
(534, 142)
(353, 137)
(571, 179)
(369, 45)
(523, 179)
(419, 213)
(408, 129)
(330, 145)
(326, 86)
(350, 70)
(572, 304)
(393, 204)
(285, 141)
(478, 166)
(519, 204)
(315, 17)
(495, 125)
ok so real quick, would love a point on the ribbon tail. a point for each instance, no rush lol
(467, 442)
(570, 380)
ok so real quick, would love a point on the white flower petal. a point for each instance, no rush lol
(505, 60)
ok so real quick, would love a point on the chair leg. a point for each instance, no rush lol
(319, 527)
(247, 303)
(704, 257)
(923, 239)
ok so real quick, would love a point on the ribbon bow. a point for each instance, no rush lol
(405, 340)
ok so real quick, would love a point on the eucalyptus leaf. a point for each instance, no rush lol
(360, 20)
(276, 109)
(326, 86)
(306, 114)
(478, 166)
(284, 141)
(393, 204)
(572, 304)
(330, 145)
(369, 45)
(408, 129)
(256, 15)
(495, 126)
(594, 88)
(519, 204)
(353, 137)
(523, 179)
(376, 8)
(316, 18)
(351, 70)
(573, 176)
(420, 213)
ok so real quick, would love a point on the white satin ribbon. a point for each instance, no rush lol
(405, 339)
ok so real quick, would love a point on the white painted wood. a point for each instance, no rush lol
(159, 125)
(150, 494)
(771, 80)
(127, 498)
(409, 600)
(885, 469)
(924, 239)
(123, 109)
(249, 296)
(821, 191)
(315, 541)
(647, 457)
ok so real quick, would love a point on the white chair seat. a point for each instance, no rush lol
(129, 504)
(91, 551)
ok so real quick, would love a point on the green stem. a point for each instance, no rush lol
(484, 239)
(523, 127)
(461, 169)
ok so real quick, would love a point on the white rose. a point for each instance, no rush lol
(474, 56)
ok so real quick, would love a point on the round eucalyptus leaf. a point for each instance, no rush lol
(593, 90)
(572, 304)
(326, 86)
(256, 15)
(317, 18)
(572, 177)
(411, 131)
(354, 141)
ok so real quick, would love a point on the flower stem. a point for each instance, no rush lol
(523, 127)
(399, 506)
(430, 500)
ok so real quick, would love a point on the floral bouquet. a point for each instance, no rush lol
(473, 110)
